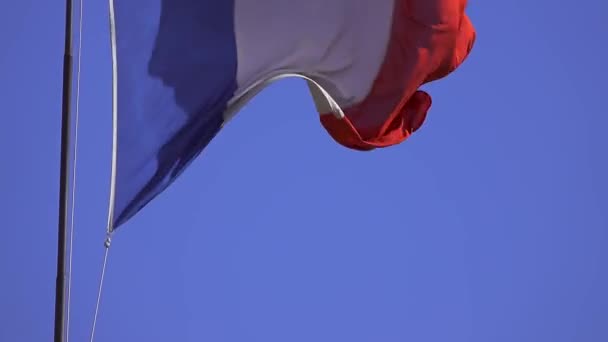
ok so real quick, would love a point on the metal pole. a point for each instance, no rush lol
(63, 177)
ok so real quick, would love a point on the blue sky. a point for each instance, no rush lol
(490, 224)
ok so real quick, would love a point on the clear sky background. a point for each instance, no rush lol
(490, 224)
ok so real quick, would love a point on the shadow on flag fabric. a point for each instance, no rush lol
(185, 67)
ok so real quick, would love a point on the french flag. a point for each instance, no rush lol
(183, 68)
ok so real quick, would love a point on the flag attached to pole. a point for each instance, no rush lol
(183, 68)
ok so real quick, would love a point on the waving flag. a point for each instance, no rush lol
(183, 68)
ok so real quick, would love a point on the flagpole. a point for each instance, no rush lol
(63, 177)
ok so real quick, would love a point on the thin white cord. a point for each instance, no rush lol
(75, 152)
(110, 227)
(103, 273)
